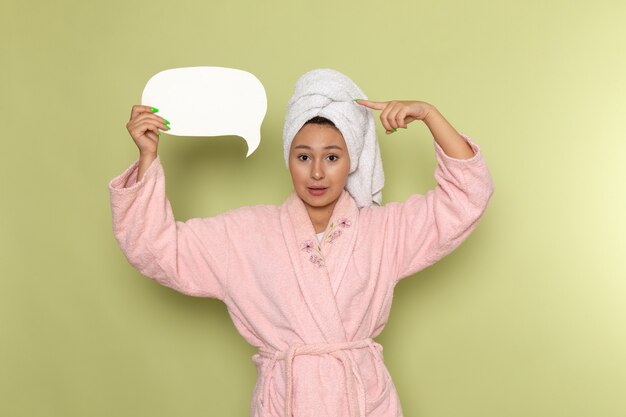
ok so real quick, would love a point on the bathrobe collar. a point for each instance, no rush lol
(320, 267)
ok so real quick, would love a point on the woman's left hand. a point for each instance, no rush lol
(398, 113)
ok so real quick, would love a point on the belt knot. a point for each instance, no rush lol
(336, 349)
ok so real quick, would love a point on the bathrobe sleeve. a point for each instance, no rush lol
(428, 227)
(190, 257)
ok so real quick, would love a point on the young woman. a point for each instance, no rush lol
(309, 282)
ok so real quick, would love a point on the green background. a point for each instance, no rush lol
(526, 318)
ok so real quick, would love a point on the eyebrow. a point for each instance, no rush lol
(325, 147)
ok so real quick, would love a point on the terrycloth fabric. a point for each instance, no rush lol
(312, 309)
(330, 94)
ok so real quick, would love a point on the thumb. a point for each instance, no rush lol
(376, 105)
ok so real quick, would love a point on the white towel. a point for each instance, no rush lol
(330, 94)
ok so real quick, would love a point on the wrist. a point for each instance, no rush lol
(431, 113)
(147, 155)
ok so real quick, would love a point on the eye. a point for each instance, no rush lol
(333, 158)
(303, 157)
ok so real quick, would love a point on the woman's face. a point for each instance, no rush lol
(319, 164)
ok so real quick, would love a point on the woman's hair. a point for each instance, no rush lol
(319, 120)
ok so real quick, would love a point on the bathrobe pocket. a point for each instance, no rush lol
(378, 398)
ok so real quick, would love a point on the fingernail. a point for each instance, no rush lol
(394, 130)
(356, 99)
(159, 133)
(166, 121)
(154, 109)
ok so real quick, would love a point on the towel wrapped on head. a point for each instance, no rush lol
(330, 94)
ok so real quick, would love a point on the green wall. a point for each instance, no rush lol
(526, 318)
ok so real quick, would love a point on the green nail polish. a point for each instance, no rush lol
(159, 133)
(154, 109)
(166, 121)
(394, 130)
(356, 99)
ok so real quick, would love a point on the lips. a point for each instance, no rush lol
(317, 191)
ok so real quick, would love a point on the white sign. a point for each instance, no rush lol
(209, 101)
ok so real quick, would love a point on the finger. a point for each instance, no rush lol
(150, 116)
(384, 117)
(143, 115)
(410, 119)
(140, 108)
(392, 116)
(401, 118)
(376, 105)
(141, 127)
(154, 131)
(151, 135)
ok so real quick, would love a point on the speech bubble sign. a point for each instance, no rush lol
(209, 101)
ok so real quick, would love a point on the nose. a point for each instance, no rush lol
(317, 171)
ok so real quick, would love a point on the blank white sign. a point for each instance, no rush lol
(209, 101)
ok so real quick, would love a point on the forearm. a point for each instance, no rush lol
(446, 136)
(144, 162)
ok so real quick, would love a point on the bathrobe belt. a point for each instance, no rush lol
(356, 392)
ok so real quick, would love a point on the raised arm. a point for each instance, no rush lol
(190, 257)
(425, 228)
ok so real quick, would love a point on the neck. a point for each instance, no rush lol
(320, 216)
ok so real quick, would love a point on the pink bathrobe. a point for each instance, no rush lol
(312, 309)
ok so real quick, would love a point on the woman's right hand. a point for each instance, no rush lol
(143, 127)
